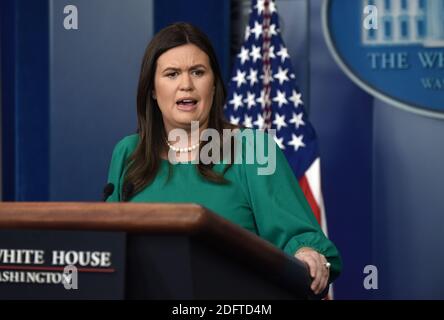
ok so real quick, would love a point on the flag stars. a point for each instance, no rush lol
(240, 78)
(236, 101)
(252, 77)
(243, 55)
(279, 121)
(296, 98)
(267, 78)
(260, 6)
(248, 121)
(280, 98)
(247, 33)
(261, 99)
(271, 53)
(273, 31)
(272, 6)
(234, 120)
(279, 142)
(257, 30)
(255, 53)
(297, 120)
(281, 75)
(259, 123)
(283, 53)
(263, 84)
(250, 100)
(296, 141)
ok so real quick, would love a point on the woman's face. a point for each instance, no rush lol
(184, 87)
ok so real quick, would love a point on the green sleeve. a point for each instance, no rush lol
(122, 151)
(283, 215)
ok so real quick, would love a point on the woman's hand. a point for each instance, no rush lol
(318, 266)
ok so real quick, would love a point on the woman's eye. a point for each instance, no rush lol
(172, 75)
(198, 73)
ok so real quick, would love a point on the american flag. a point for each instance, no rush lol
(263, 94)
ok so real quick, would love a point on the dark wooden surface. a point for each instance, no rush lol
(158, 218)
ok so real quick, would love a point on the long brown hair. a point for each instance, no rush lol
(144, 163)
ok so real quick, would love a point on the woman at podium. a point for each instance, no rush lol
(185, 151)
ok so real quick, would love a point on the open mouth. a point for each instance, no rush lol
(186, 102)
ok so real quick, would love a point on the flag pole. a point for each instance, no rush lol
(267, 112)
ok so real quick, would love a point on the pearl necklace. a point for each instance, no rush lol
(188, 149)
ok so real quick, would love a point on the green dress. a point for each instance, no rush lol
(271, 206)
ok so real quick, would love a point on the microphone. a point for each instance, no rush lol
(107, 191)
(127, 191)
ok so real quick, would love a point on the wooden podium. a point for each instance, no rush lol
(172, 251)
